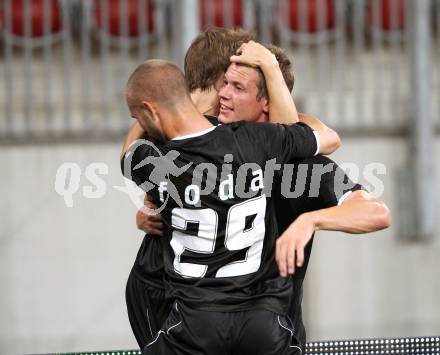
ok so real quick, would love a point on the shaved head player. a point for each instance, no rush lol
(288, 208)
(221, 275)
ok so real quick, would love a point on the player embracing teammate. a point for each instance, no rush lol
(221, 280)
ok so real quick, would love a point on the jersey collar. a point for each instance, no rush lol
(193, 135)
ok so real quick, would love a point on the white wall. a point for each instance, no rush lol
(375, 285)
(63, 270)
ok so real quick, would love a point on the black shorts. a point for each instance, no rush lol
(147, 309)
(295, 312)
(194, 332)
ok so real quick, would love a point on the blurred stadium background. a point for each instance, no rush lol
(368, 68)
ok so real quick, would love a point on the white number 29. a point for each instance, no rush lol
(238, 236)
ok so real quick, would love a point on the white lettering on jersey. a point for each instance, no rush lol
(192, 195)
(238, 236)
(162, 189)
(257, 181)
(229, 185)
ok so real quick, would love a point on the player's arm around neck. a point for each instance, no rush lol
(135, 132)
(359, 213)
(282, 107)
(145, 221)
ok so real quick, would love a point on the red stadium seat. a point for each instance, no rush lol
(385, 8)
(312, 17)
(115, 21)
(37, 18)
(217, 6)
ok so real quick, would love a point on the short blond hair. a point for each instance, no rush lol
(209, 55)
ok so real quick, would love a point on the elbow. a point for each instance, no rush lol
(336, 141)
(376, 211)
(386, 219)
(383, 216)
(333, 142)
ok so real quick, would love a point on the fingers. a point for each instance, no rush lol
(155, 231)
(148, 223)
(147, 198)
(240, 49)
(245, 45)
(149, 216)
(147, 220)
(150, 208)
(236, 58)
(300, 255)
(291, 261)
(281, 256)
(246, 54)
(143, 216)
(155, 228)
(241, 59)
(288, 255)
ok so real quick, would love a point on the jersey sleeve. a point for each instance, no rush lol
(131, 164)
(288, 142)
(327, 185)
(343, 185)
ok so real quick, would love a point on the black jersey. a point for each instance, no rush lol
(315, 183)
(318, 183)
(219, 246)
(148, 265)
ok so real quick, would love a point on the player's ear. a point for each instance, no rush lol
(150, 107)
(265, 102)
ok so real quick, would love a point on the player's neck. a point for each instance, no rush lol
(263, 118)
(184, 121)
(206, 101)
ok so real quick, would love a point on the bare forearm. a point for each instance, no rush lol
(136, 132)
(282, 106)
(329, 138)
(313, 122)
(354, 216)
(359, 213)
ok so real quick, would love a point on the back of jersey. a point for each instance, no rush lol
(219, 224)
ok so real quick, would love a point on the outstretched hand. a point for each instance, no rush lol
(290, 245)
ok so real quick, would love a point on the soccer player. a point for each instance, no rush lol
(337, 205)
(218, 246)
(205, 64)
(356, 212)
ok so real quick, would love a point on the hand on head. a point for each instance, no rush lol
(253, 54)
